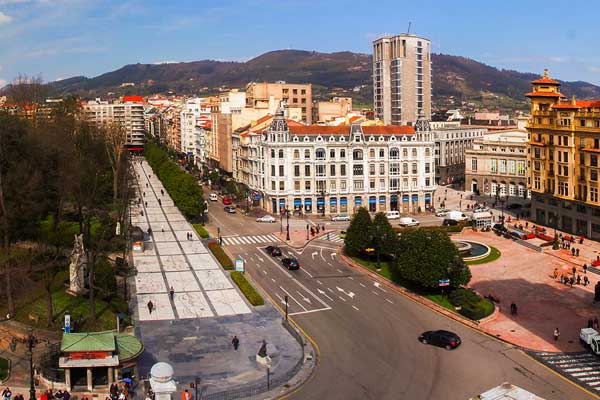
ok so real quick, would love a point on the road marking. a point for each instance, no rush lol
(362, 284)
(389, 301)
(273, 279)
(314, 254)
(330, 290)
(321, 253)
(350, 294)
(190, 338)
(351, 278)
(280, 298)
(292, 297)
(356, 308)
(341, 298)
(319, 282)
(324, 294)
(265, 272)
(306, 299)
(378, 286)
(340, 271)
(333, 255)
(375, 293)
(310, 311)
(305, 271)
(260, 259)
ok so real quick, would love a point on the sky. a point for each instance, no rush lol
(57, 39)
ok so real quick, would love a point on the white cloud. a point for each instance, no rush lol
(4, 19)
(593, 69)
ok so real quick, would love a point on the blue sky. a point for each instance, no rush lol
(63, 38)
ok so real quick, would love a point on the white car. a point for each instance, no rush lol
(341, 217)
(213, 197)
(392, 214)
(441, 213)
(266, 218)
(408, 221)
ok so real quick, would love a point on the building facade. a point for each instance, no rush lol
(195, 121)
(259, 95)
(451, 141)
(128, 114)
(564, 147)
(326, 170)
(497, 164)
(401, 79)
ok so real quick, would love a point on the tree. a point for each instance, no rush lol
(384, 238)
(424, 257)
(359, 233)
(114, 142)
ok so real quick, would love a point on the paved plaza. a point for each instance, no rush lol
(171, 260)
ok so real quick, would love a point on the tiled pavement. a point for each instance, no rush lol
(193, 330)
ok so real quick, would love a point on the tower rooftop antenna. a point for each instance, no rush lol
(409, 24)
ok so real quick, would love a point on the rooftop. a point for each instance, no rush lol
(345, 130)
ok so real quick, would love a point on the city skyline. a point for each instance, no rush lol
(65, 38)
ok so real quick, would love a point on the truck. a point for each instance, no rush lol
(590, 338)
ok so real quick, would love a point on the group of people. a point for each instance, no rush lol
(574, 279)
(48, 395)
(119, 392)
(314, 231)
(7, 395)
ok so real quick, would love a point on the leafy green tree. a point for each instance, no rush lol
(385, 239)
(424, 257)
(360, 232)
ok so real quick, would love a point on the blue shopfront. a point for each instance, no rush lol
(333, 205)
(307, 206)
(343, 204)
(372, 204)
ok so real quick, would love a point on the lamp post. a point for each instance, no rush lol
(286, 307)
(30, 341)
(307, 226)
(460, 203)
(378, 246)
(287, 215)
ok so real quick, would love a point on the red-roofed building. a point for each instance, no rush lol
(133, 99)
(325, 170)
(564, 141)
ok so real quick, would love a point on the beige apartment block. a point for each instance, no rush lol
(258, 95)
(401, 79)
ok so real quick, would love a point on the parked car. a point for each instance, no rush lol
(213, 197)
(513, 206)
(273, 251)
(449, 222)
(290, 263)
(229, 209)
(441, 338)
(499, 228)
(408, 221)
(456, 215)
(227, 201)
(341, 217)
(392, 214)
(441, 213)
(266, 218)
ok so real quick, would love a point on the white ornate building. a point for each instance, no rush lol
(314, 169)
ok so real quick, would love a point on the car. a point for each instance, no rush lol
(448, 340)
(449, 222)
(213, 197)
(290, 263)
(227, 201)
(441, 213)
(229, 209)
(456, 215)
(341, 217)
(392, 214)
(408, 221)
(266, 218)
(513, 206)
(273, 251)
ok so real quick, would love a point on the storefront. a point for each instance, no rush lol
(321, 205)
(372, 204)
(414, 202)
(333, 205)
(343, 204)
(382, 200)
(282, 206)
(394, 202)
(357, 203)
(428, 204)
(405, 203)
(308, 206)
(297, 205)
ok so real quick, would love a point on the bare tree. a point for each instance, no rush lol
(114, 141)
(27, 90)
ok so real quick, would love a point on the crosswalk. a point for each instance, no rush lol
(254, 239)
(334, 237)
(583, 368)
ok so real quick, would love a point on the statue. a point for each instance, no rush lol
(262, 357)
(77, 267)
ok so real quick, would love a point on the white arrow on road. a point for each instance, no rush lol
(324, 294)
(314, 254)
(350, 294)
(333, 255)
(306, 299)
(378, 286)
(260, 259)
(339, 289)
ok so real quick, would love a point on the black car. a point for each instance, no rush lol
(229, 209)
(449, 222)
(446, 339)
(290, 263)
(273, 251)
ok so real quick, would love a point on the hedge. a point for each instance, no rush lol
(251, 294)
(201, 231)
(182, 187)
(442, 228)
(223, 258)
(477, 311)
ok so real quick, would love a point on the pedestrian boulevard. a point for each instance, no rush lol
(242, 240)
(175, 257)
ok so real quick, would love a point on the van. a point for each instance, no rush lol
(456, 215)
(392, 214)
(408, 221)
(213, 197)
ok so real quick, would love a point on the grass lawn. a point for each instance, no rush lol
(35, 304)
(494, 255)
(372, 265)
(441, 300)
(4, 369)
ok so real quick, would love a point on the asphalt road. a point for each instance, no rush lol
(367, 334)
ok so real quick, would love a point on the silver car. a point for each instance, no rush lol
(341, 217)
(266, 218)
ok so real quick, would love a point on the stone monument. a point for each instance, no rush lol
(161, 381)
(262, 357)
(77, 267)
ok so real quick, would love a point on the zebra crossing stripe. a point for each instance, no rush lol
(235, 240)
(226, 241)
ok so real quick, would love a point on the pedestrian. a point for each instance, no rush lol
(159, 203)
(586, 280)
(596, 325)
(562, 278)
(328, 236)
(574, 270)
(571, 281)
(144, 194)
(555, 273)
(577, 252)
(6, 394)
(584, 269)
(578, 279)
(150, 306)
(162, 192)
(185, 395)
(526, 224)
(142, 213)
(146, 184)
(556, 334)
(573, 252)
(146, 203)
(171, 293)
(513, 309)
(235, 342)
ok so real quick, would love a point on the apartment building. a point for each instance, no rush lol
(195, 124)
(127, 113)
(315, 169)
(497, 164)
(564, 145)
(259, 95)
(401, 79)
(326, 111)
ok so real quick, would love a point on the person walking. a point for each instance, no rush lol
(577, 252)
(578, 279)
(596, 325)
(185, 395)
(586, 280)
(159, 202)
(150, 306)
(571, 281)
(574, 270)
(6, 394)
(556, 334)
(162, 192)
(171, 293)
(555, 273)
(235, 342)
(585, 269)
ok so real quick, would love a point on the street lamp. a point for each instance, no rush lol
(460, 203)
(287, 215)
(323, 193)
(307, 226)
(30, 341)
(378, 245)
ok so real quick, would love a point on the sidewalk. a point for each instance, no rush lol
(298, 238)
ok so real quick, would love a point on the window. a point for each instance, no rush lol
(320, 170)
(343, 170)
(296, 170)
(393, 184)
(357, 155)
(594, 194)
(474, 164)
(563, 188)
(307, 153)
(372, 184)
(394, 169)
(521, 168)
(332, 153)
(427, 182)
(494, 165)
(320, 154)
(296, 185)
(536, 183)
(405, 183)
(372, 153)
(404, 152)
(512, 167)
(307, 170)
(414, 182)
(357, 169)
(502, 166)
(332, 170)
(593, 175)
(358, 185)
(332, 185)
(405, 168)
(273, 185)
(382, 169)
(414, 152)
(280, 153)
(414, 168)
(281, 170)
(272, 170)
(342, 153)
(593, 160)
(371, 169)
(427, 152)
(382, 184)
(296, 154)
(272, 153)
(281, 185)
(306, 185)
(343, 185)
(381, 153)
(394, 153)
